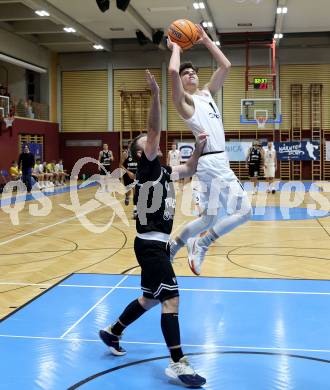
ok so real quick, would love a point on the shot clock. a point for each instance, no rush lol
(260, 83)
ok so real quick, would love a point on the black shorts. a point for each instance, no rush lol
(254, 170)
(158, 280)
(105, 169)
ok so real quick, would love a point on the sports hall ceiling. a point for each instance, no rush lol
(92, 26)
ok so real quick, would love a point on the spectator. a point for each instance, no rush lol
(15, 173)
(59, 170)
(50, 169)
(38, 174)
(29, 109)
(47, 175)
(26, 163)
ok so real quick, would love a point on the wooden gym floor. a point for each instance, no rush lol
(41, 251)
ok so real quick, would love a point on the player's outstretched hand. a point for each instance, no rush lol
(152, 83)
(203, 37)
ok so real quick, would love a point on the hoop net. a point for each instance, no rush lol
(261, 117)
(8, 121)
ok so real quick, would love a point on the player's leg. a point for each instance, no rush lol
(237, 205)
(145, 257)
(111, 335)
(164, 287)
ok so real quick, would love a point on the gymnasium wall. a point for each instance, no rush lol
(132, 80)
(72, 154)
(85, 101)
(9, 144)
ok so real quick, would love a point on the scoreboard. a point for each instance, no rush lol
(260, 83)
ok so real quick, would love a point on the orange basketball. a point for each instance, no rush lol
(184, 33)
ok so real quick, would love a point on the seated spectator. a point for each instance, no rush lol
(15, 173)
(50, 169)
(60, 172)
(37, 173)
(48, 176)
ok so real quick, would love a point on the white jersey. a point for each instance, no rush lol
(174, 158)
(269, 156)
(58, 168)
(207, 118)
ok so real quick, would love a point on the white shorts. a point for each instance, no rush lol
(219, 186)
(270, 171)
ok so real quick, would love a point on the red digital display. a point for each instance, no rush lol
(260, 83)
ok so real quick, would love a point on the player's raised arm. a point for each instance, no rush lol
(180, 99)
(220, 75)
(154, 121)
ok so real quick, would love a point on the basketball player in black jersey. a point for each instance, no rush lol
(129, 164)
(254, 161)
(105, 158)
(156, 204)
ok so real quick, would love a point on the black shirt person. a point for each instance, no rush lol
(129, 164)
(105, 158)
(26, 163)
(254, 159)
(156, 204)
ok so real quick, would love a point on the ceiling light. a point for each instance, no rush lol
(42, 13)
(278, 36)
(98, 47)
(204, 24)
(199, 5)
(282, 10)
(217, 43)
(209, 24)
(69, 29)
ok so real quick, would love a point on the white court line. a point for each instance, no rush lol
(117, 286)
(252, 347)
(94, 306)
(18, 235)
(262, 267)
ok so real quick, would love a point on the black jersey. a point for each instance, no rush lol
(154, 193)
(130, 164)
(105, 158)
(255, 156)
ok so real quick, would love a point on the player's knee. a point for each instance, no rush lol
(147, 303)
(208, 221)
(170, 305)
(245, 213)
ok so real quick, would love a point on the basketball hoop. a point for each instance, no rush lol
(261, 121)
(261, 117)
(8, 121)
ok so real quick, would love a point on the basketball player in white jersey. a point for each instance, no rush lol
(270, 166)
(174, 160)
(221, 187)
(173, 157)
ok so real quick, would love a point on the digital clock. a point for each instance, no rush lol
(260, 83)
